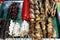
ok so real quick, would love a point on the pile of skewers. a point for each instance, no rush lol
(15, 29)
(42, 13)
(37, 19)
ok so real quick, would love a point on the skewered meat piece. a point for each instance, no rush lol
(32, 15)
(38, 18)
(31, 6)
(37, 11)
(32, 2)
(51, 30)
(31, 10)
(36, 7)
(38, 35)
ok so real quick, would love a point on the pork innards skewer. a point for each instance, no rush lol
(50, 29)
(38, 32)
(32, 21)
(32, 35)
(47, 6)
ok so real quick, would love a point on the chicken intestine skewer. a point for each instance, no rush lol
(32, 21)
(43, 23)
(53, 9)
(50, 29)
(42, 16)
(38, 32)
(32, 35)
(50, 8)
(40, 5)
(36, 9)
(47, 7)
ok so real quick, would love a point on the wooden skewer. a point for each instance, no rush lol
(49, 38)
(32, 38)
(5, 35)
(25, 37)
(20, 37)
(12, 33)
(12, 36)
(54, 38)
